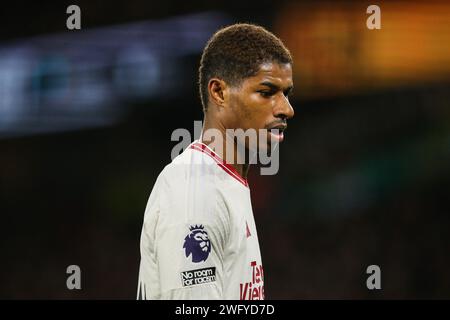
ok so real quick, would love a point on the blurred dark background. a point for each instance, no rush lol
(86, 118)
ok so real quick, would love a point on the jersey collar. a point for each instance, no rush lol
(200, 146)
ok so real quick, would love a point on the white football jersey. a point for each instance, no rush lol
(199, 238)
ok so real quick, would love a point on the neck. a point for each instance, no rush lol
(222, 151)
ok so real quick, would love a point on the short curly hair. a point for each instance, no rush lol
(236, 52)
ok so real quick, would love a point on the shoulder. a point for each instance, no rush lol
(195, 176)
(190, 169)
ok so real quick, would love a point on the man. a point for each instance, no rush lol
(199, 238)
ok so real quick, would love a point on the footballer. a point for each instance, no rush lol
(199, 238)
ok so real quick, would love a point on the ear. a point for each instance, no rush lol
(218, 91)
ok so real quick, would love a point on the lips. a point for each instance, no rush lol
(277, 136)
(280, 127)
(276, 132)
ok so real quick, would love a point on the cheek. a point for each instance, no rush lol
(261, 110)
(242, 110)
(257, 108)
(251, 110)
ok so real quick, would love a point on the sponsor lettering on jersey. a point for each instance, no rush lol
(254, 289)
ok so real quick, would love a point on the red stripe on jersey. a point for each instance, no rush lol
(225, 166)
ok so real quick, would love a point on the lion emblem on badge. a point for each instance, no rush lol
(197, 244)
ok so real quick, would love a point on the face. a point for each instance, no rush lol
(262, 102)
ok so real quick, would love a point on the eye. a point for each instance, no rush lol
(266, 94)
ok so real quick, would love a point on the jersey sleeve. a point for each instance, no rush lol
(186, 228)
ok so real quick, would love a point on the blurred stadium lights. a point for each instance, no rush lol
(80, 79)
(335, 54)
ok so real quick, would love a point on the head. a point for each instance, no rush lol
(245, 77)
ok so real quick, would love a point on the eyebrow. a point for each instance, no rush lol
(274, 87)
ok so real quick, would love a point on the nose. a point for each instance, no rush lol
(284, 109)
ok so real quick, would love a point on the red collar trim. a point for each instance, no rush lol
(225, 166)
